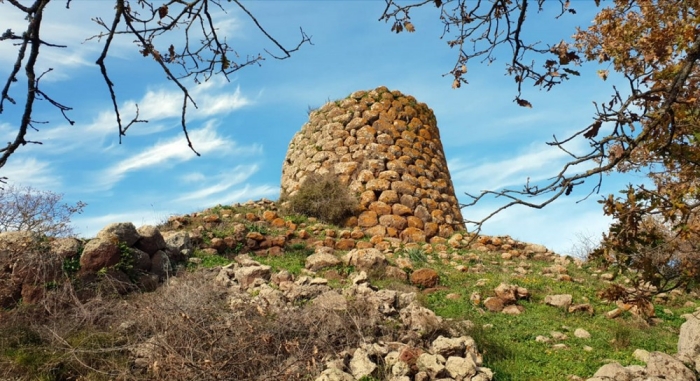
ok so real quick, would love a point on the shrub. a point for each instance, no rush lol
(40, 212)
(323, 197)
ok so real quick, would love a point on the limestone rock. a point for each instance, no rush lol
(365, 259)
(334, 374)
(582, 333)
(246, 275)
(315, 262)
(561, 301)
(689, 339)
(460, 368)
(613, 372)
(418, 318)
(507, 293)
(663, 365)
(361, 365)
(65, 247)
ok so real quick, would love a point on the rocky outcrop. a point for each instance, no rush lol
(385, 146)
(30, 264)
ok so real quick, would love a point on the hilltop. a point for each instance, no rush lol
(252, 292)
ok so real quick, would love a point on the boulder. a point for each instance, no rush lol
(123, 231)
(365, 259)
(689, 338)
(508, 293)
(151, 240)
(65, 247)
(560, 301)
(321, 260)
(425, 278)
(99, 253)
(360, 364)
(247, 275)
(666, 366)
(417, 318)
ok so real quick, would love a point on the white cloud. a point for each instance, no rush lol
(536, 162)
(193, 177)
(29, 171)
(169, 152)
(238, 175)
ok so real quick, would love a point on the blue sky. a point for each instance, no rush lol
(243, 127)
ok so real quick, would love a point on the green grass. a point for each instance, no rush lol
(293, 259)
(509, 347)
(208, 260)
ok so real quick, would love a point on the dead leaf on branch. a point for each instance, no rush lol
(523, 103)
(171, 53)
(593, 130)
(409, 26)
(163, 11)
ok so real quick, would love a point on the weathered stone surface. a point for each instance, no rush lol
(365, 259)
(413, 235)
(425, 277)
(160, 264)
(582, 333)
(361, 365)
(561, 301)
(331, 300)
(124, 232)
(99, 253)
(493, 304)
(151, 240)
(334, 374)
(460, 367)
(689, 339)
(663, 365)
(419, 318)
(386, 147)
(508, 293)
(430, 364)
(319, 261)
(613, 372)
(247, 275)
(65, 247)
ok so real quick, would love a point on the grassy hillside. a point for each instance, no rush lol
(92, 334)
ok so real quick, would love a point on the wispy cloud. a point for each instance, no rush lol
(172, 151)
(192, 177)
(29, 171)
(536, 162)
(236, 176)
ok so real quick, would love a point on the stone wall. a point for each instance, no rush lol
(386, 147)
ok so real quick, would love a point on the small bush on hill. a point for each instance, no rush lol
(323, 197)
(39, 212)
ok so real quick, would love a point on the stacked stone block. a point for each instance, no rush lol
(385, 146)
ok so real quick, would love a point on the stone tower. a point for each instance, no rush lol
(386, 147)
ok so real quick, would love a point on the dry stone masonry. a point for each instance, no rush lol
(385, 146)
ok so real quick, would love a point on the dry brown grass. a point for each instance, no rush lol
(183, 331)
